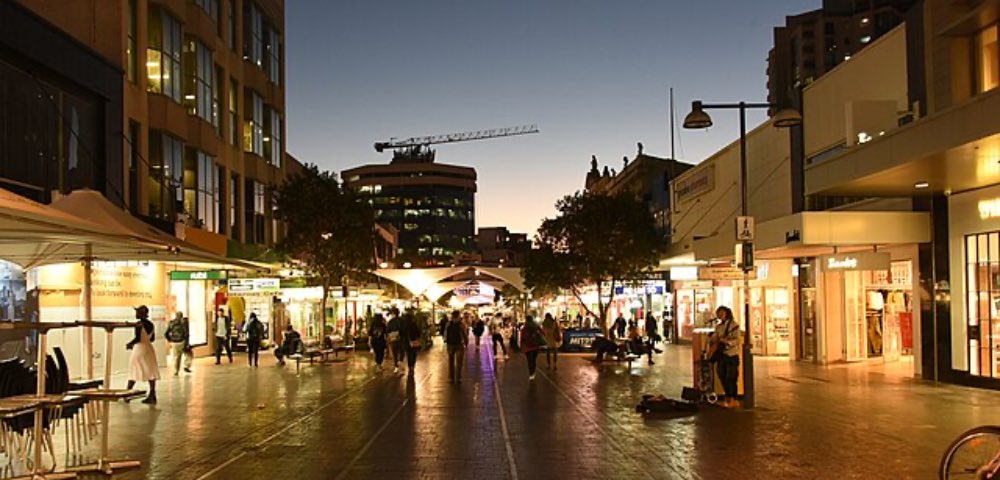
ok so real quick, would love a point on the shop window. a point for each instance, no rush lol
(987, 59)
(199, 82)
(163, 57)
(982, 281)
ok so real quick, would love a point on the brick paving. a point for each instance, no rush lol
(345, 420)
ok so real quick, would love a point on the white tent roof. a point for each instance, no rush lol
(149, 243)
(418, 280)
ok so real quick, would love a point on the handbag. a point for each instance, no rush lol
(415, 344)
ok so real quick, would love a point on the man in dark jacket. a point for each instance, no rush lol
(457, 338)
(290, 345)
(392, 334)
(410, 339)
(255, 333)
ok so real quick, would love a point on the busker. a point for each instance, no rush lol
(255, 334)
(290, 344)
(223, 325)
(142, 365)
(179, 336)
(457, 339)
(395, 342)
(724, 346)
(553, 337)
(531, 342)
(377, 339)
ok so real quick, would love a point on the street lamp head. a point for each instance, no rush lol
(697, 118)
(787, 117)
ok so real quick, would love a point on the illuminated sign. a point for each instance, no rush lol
(989, 208)
(848, 262)
(200, 275)
(254, 285)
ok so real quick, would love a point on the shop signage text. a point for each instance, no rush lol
(254, 285)
(201, 275)
(855, 262)
(579, 340)
(723, 273)
(694, 185)
(989, 208)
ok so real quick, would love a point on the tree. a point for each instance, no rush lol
(329, 230)
(598, 240)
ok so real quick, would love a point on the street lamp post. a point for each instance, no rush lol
(783, 119)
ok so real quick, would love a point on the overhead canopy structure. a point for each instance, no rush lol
(434, 283)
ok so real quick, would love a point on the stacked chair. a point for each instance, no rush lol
(78, 416)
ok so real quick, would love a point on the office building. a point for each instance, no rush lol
(432, 205)
(499, 247)
(199, 137)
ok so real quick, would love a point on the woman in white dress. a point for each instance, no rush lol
(142, 365)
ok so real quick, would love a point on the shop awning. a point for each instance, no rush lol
(147, 242)
(814, 233)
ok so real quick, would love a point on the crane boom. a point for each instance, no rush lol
(420, 142)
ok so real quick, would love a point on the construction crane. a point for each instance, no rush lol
(417, 149)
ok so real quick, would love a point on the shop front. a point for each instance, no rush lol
(197, 294)
(302, 307)
(253, 295)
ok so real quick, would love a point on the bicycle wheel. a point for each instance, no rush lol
(973, 455)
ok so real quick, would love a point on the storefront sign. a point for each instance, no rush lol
(989, 208)
(723, 273)
(646, 289)
(254, 285)
(201, 275)
(579, 339)
(694, 185)
(849, 262)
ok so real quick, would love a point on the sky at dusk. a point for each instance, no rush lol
(594, 75)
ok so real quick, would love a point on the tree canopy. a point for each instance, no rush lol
(598, 240)
(329, 229)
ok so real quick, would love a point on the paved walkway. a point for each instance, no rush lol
(345, 420)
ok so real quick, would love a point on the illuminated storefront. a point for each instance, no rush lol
(197, 295)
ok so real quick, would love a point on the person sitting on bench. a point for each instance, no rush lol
(636, 345)
(604, 346)
(291, 344)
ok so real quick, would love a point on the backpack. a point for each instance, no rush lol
(175, 331)
(255, 330)
(453, 333)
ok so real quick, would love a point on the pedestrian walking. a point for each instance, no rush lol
(724, 345)
(478, 329)
(223, 325)
(457, 339)
(496, 332)
(377, 339)
(395, 341)
(410, 334)
(668, 327)
(179, 336)
(255, 334)
(142, 365)
(553, 336)
(531, 342)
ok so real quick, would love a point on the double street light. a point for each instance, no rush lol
(784, 118)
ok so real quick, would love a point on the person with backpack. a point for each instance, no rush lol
(478, 329)
(255, 334)
(223, 327)
(179, 336)
(377, 339)
(392, 334)
(531, 342)
(457, 339)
